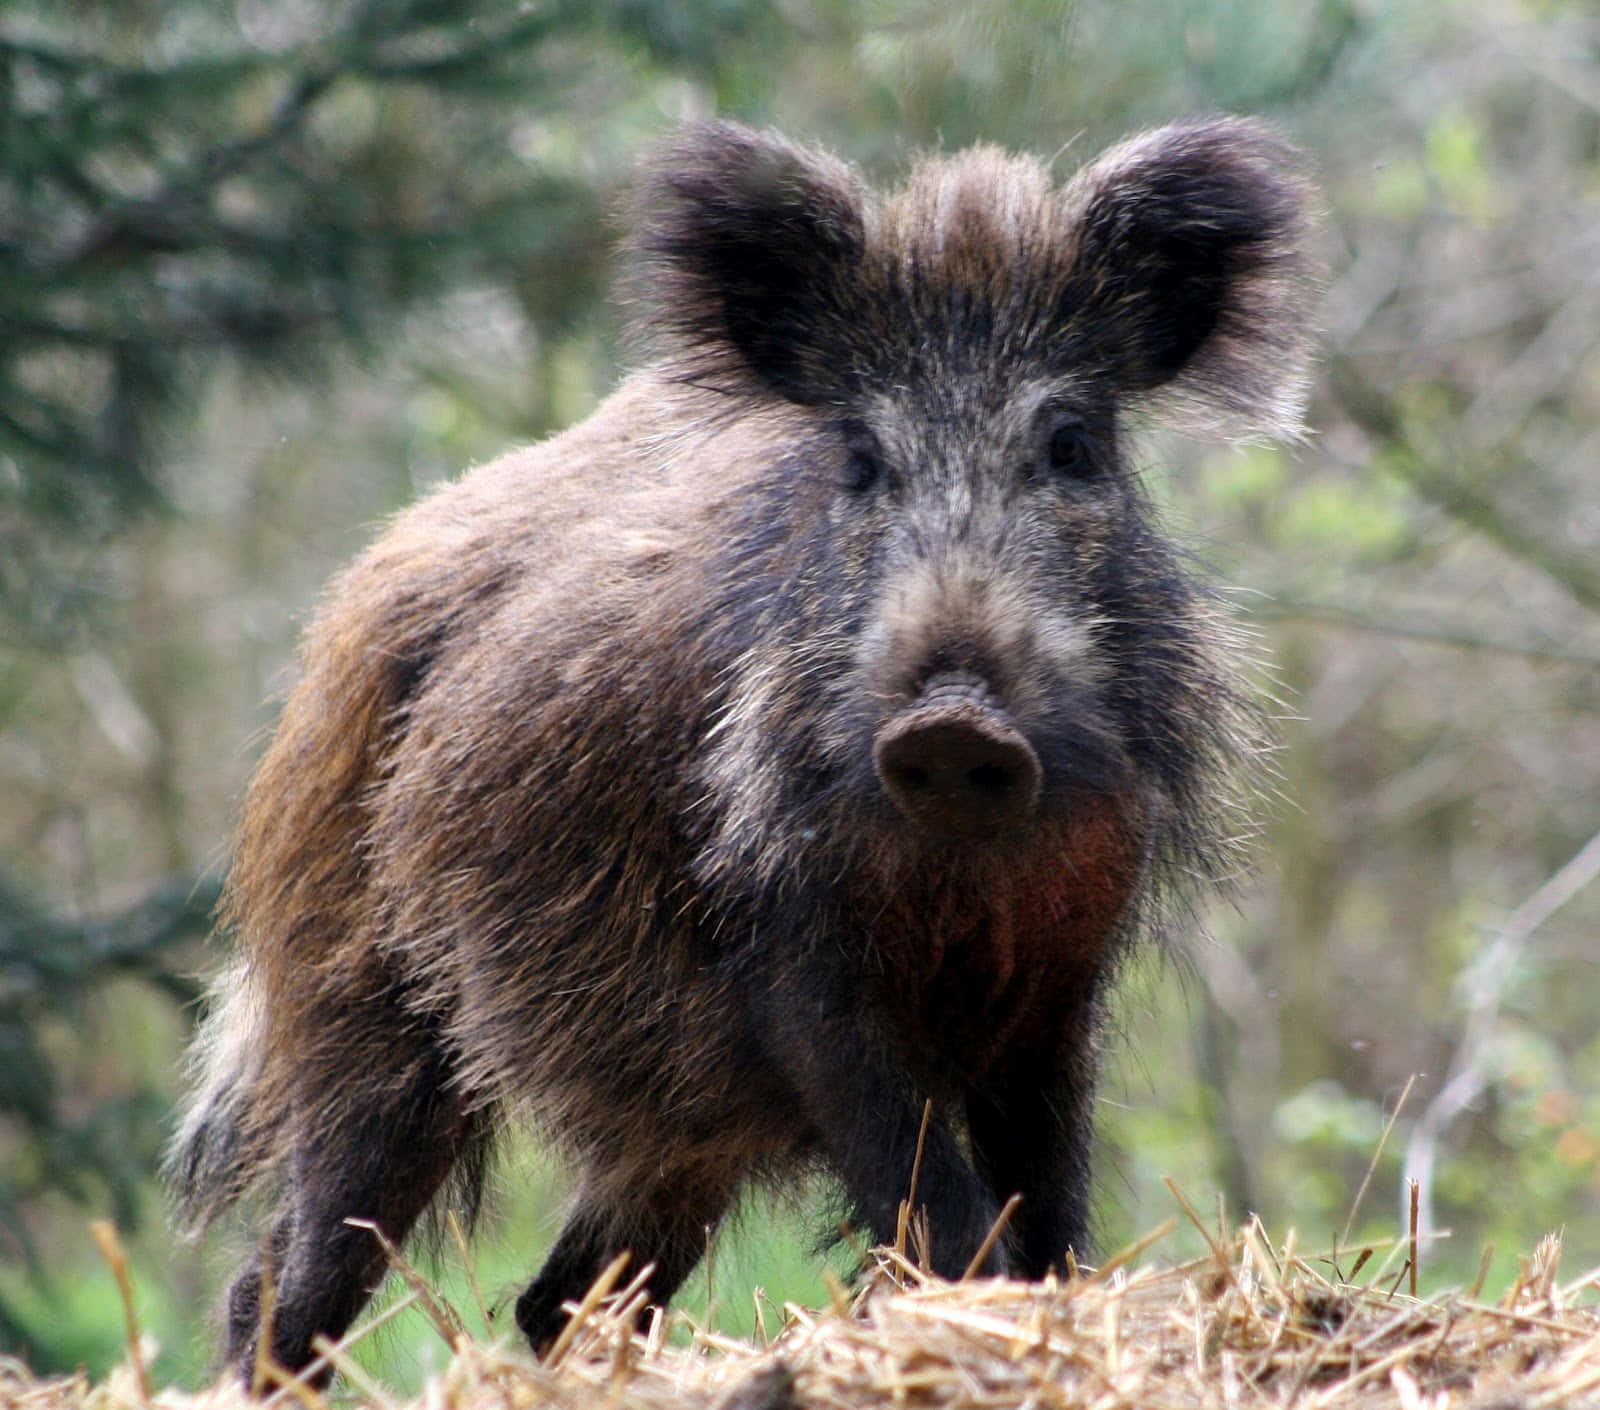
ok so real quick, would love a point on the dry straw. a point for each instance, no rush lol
(1249, 1324)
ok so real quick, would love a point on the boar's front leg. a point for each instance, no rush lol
(866, 1110)
(1032, 1134)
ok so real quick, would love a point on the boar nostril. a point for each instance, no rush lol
(992, 779)
(911, 778)
(958, 770)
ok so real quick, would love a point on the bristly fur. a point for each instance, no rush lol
(754, 255)
(580, 808)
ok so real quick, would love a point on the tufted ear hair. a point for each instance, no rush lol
(1191, 279)
(745, 252)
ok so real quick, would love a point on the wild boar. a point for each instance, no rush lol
(802, 738)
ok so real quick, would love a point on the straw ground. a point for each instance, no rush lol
(1251, 1323)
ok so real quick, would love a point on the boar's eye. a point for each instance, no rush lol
(1070, 451)
(863, 468)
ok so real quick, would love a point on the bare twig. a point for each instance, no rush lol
(1411, 1258)
(1466, 1078)
(1286, 607)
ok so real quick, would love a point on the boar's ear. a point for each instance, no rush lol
(1191, 280)
(745, 247)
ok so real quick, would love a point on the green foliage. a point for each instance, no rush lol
(1456, 160)
(97, 1151)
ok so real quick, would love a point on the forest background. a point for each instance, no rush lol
(269, 268)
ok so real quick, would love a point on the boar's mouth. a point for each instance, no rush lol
(955, 765)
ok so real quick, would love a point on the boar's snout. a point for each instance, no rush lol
(955, 765)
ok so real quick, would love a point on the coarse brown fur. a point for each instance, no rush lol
(603, 798)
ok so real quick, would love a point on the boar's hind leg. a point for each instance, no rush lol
(383, 1162)
(669, 1231)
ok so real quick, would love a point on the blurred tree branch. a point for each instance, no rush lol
(48, 967)
(1470, 1064)
(1413, 626)
(1450, 490)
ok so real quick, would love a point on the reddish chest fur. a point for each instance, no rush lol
(988, 955)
